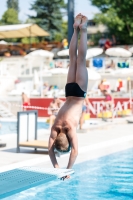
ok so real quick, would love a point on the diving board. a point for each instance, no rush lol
(18, 180)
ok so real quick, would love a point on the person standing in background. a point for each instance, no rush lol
(101, 86)
(101, 42)
(108, 44)
(45, 88)
(109, 101)
(25, 101)
(65, 43)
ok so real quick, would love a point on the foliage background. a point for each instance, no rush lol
(118, 16)
(49, 16)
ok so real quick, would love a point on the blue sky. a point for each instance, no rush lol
(82, 6)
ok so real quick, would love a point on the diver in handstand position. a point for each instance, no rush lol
(63, 135)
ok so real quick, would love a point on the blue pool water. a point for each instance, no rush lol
(11, 127)
(109, 177)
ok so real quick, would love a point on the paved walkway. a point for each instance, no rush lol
(94, 142)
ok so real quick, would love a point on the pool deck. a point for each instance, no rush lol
(97, 140)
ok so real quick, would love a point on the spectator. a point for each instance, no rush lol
(45, 88)
(22, 52)
(111, 65)
(59, 64)
(119, 85)
(25, 101)
(101, 86)
(107, 44)
(102, 42)
(65, 43)
(109, 102)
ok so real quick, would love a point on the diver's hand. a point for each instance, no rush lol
(65, 177)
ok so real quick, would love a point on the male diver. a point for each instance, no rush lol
(63, 135)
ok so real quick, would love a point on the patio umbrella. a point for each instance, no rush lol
(3, 42)
(131, 50)
(40, 52)
(118, 52)
(64, 52)
(93, 52)
(90, 52)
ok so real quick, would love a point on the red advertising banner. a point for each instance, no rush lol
(96, 105)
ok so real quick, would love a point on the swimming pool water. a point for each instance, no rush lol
(109, 177)
(11, 127)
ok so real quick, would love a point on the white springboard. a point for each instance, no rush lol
(20, 179)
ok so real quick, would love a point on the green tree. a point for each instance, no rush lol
(10, 17)
(27, 41)
(59, 36)
(49, 15)
(118, 16)
(13, 4)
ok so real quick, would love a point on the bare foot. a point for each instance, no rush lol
(77, 20)
(83, 25)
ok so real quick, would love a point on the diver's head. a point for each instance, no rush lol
(62, 143)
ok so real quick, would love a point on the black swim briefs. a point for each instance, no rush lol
(73, 89)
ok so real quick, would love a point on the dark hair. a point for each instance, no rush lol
(62, 143)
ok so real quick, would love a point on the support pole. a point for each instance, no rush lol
(70, 9)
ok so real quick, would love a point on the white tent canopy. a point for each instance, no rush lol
(118, 52)
(92, 52)
(21, 30)
(131, 49)
(64, 52)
